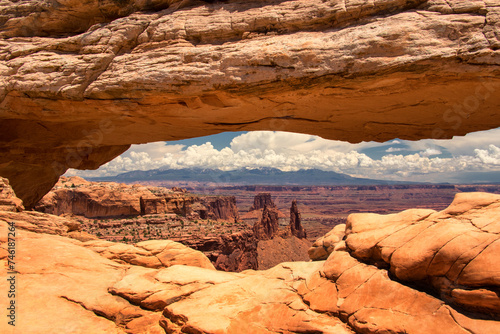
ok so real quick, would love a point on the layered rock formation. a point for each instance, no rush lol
(267, 227)
(103, 287)
(8, 200)
(218, 208)
(150, 254)
(261, 200)
(87, 79)
(229, 252)
(109, 199)
(77, 196)
(296, 228)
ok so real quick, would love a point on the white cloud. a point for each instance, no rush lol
(430, 151)
(491, 156)
(287, 142)
(393, 149)
(289, 151)
(465, 145)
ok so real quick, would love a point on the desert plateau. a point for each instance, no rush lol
(354, 188)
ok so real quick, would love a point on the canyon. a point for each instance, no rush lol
(211, 224)
(381, 273)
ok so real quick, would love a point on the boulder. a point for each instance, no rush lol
(8, 199)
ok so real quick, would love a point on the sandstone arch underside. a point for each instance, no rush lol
(81, 81)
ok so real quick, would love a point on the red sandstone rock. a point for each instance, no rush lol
(326, 244)
(82, 80)
(447, 250)
(267, 227)
(296, 228)
(218, 208)
(77, 196)
(8, 200)
(109, 199)
(150, 254)
(261, 200)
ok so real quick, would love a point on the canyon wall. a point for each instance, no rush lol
(218, 208)
(109, 199)
(81, 81)
(79, 197)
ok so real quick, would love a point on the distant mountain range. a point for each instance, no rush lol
(246, 176)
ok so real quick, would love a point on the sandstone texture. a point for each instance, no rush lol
(228, 252)
(296, 228)
(326, 244)
(151, 253)
(87, 79)
(267, 227)
(8, 199)
(76, 196)
(452, 253)
(218, 208)
(103, 287)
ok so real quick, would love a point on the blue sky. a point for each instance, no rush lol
(466, 159)
(219, 141)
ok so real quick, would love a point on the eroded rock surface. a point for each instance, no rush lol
(151, 253)
(296, 228)
(76, 196)
(218, 208)
(8, 199)
(450, 253)
(87, 79)
(229, 252)
(326, 244)
(267, 227)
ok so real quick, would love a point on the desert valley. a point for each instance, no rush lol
(227, 223)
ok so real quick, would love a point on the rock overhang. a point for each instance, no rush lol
(354, 71)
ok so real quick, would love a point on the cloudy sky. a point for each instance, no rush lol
(472, 158)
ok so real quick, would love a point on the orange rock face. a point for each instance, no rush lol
(76, 196)
(108, 199)
(267, 227)
(8, 200)
(296, 228)
(451, 253)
